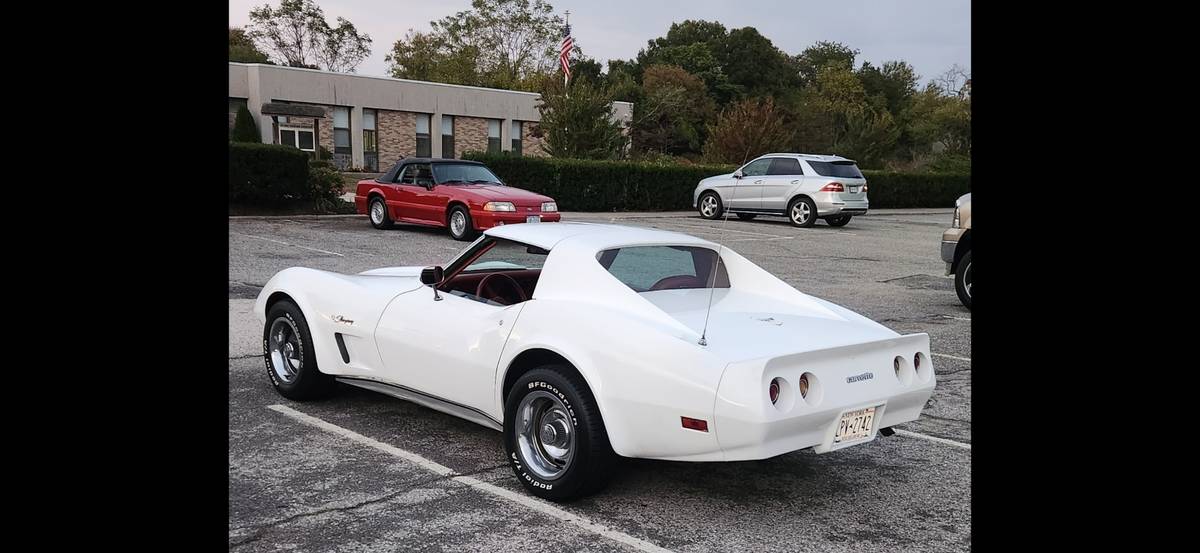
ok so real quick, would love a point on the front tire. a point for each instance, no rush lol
(838, 220)
(377, 212)
(553, 435)
(710, 205)
(802, 212)
(962, 280)
(460, 225)
(288, 352)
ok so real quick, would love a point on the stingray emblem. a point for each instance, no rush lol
(341, 319)
(770, 320)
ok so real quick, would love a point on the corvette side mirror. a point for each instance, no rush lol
(431, 275)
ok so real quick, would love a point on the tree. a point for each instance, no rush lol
(297, 34)
(824, 54)
(746, 130)
(244, 128)
(672, 115)
(242, 49)
(579, 124)
(496, 43)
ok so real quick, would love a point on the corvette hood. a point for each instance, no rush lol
(394, 271)
(744, 325)
(517, 196)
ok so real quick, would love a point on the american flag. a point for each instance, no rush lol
(564, 53)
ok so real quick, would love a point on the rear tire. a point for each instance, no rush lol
(802, 212)
(377, 212)
(556, 457)
(747, 216)
(838, 220)
(288, 352)
(962, 279)
(710, 206)
(460, 225)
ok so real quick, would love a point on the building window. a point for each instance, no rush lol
(370, 146)
(424, 146)
(494, 136)
(297, 138)
(341, 130)
(448, 136)
(516, 137)
(235, 104)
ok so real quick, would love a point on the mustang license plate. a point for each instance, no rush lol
(855, 425)
(533, 218)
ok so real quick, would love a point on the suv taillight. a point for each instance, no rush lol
(833, 187)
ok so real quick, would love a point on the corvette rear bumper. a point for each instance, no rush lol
(749, 427)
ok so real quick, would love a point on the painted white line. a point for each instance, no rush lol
(287, 244)
(956, 318)
(967, 359)
(442, 470)
(933, 438)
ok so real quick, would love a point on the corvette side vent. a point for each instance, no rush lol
(342, 347)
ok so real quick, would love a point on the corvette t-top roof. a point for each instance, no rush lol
(591, 235)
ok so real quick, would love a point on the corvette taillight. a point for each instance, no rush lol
(803, 385)
(833, 187)
(773, 391)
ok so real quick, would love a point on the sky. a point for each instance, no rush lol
(931, 35)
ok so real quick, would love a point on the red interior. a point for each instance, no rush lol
(469, 282)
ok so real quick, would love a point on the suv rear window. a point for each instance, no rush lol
(843, 169)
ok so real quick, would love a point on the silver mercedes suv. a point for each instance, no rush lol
(801, 187)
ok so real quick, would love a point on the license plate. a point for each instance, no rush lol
(854, 190)
(533, 218)
(855, 425)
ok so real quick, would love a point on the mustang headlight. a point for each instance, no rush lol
(549, 206)
(499, 206)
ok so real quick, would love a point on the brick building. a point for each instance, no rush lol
(371, 122)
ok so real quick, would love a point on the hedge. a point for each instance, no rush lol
(268, 174)
(587, 185)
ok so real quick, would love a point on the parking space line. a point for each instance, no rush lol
(442, 470)
(956, 318)
(932, 438)
(288, 244)
(967, 359)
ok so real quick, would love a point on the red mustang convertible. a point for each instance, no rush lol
(463, 196)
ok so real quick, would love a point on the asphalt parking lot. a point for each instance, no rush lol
(366, 472)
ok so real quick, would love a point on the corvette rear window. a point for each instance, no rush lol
(843, 169)
(652, 268)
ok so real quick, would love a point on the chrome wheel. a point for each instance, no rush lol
(458, 223)
(967, 279)
(377, 212)
(545, 435)
(285, 349)
(801, 213)
(708, 206)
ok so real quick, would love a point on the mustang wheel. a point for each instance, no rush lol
(377, 211)
(554, 436)
(802, 212)
(747, 216)
(459, 222)
(962, 279)
(287, 349)
(710, 205)
(838, 220)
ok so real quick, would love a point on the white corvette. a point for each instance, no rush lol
(580, 342)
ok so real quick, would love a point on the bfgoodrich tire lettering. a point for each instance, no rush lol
(286, 339)
(591, 458)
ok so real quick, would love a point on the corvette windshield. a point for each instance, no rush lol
(463, 173)
(652, 268)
